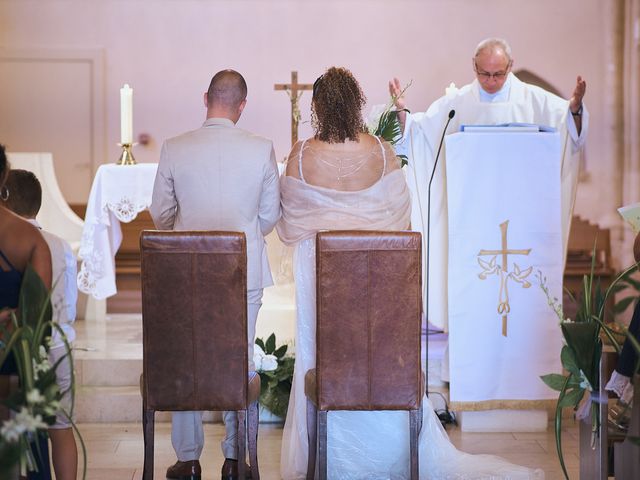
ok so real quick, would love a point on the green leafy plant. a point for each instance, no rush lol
(275, 384)
(387, 126)
(580, 356)
(630, 284)
(37, 399)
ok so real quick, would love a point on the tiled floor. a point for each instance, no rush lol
(116, 451)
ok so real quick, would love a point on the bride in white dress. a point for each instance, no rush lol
(343, 178)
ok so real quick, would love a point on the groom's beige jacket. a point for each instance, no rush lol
(220, 177)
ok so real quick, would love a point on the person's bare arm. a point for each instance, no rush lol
(41, 260)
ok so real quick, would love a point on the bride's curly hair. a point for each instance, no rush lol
(336, 108)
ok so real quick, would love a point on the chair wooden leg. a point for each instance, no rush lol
(413, 443)
(147, 429)
(241, 440)
(322, 444)
(312, 439)
(253, 423)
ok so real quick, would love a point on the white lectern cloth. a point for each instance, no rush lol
(494, 178)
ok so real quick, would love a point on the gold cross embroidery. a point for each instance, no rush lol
(518, 275)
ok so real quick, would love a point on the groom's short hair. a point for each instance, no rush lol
(227, 88)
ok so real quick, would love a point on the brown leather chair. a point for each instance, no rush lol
(194, 328)
(368, 308)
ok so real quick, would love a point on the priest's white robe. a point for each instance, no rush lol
(523, 103)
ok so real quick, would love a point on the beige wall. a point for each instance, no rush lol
(167, 51)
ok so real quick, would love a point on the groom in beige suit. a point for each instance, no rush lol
(219, 177)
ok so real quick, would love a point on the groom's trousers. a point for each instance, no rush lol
(187, 435)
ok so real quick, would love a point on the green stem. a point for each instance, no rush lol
(558, 427)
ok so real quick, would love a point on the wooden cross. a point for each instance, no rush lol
(294, 90)
(518, 275)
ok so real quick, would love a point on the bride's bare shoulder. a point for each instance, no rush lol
(292, 160)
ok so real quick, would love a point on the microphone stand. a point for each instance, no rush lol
(452, 114)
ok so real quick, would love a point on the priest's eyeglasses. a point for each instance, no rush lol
(487, 75)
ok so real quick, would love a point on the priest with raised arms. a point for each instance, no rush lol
(495, 97)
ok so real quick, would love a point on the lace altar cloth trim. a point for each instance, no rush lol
(117, 195)
(125, 210)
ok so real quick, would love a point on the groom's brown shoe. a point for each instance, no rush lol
(230, 470)
(189, 470)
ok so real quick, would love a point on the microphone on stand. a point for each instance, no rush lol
(452, 114)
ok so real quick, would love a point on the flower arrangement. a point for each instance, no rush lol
(37, 399)
(275, 368)
(383, 122)
(580, 356)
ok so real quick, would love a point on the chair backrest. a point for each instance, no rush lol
(368, 332)
(194, 320)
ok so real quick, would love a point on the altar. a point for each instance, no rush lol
(117, 195)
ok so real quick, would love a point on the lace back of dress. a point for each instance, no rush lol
(348, 170)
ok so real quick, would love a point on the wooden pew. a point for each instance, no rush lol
(582, 237)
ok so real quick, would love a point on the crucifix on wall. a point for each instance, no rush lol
(294, 90)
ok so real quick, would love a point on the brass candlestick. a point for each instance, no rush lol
(126, 157)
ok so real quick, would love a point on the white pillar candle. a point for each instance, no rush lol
(450, 90)
(126, 114)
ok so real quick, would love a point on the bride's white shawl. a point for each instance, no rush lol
(307, 209)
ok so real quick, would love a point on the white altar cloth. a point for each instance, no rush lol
(117, 195)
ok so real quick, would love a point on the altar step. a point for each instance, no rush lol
(108, 364)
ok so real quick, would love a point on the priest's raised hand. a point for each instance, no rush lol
(575, 103)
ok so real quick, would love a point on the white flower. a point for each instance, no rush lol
(34, 397)
(373, 119)
(269, 363)
(51, 408)
(262, 361)
(23, 422)
(42, 366)
(11, 431)
(585, 382)
(31, 423)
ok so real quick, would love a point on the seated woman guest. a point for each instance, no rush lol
(25, 200)
(20, 244)
(343, 178)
